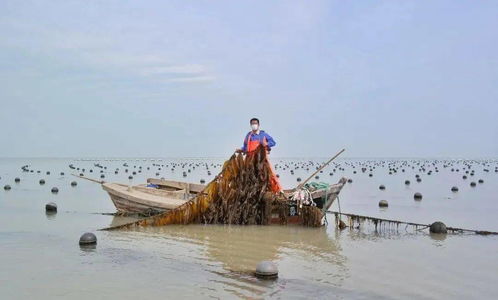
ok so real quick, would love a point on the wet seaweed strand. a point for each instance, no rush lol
(386, 224)
(235, 196)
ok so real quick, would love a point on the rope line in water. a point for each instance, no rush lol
(376, 221)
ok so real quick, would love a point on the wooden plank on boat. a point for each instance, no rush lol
(191, 187)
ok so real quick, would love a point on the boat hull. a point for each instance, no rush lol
(142, 200)
(149, 201)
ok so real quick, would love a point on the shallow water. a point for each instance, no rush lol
(40, 255)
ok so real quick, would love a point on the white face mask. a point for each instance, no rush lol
(254, 127)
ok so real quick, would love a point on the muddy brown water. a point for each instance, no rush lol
(40, 256)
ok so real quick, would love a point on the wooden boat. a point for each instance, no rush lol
(162, 195)
(146, 200)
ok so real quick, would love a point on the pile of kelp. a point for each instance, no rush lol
(240, 194)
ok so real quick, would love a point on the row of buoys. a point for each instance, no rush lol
(453, 189)
(54, 190)
(384, 203)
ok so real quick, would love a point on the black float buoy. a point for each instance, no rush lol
(51, 207)
(382, 187)
(419, 179)
(17, 180)
(350, 180)
(130, 177)
(88, 238)
(6, 187)
(203, 181)
(42, 181)
(48, 172)
(472, 184)
(464, 177)
(438, 227)
(62, 173)
(267, 270)
(480, 181)
(74, 183)
(383, 203)
(298, 179)
(417, 196)
(454, 189)
(407, 182)
(102, 176)
(55, 190)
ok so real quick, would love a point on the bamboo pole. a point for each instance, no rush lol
(89, 179)
(319, 169)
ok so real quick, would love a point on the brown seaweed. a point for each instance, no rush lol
(240, 194)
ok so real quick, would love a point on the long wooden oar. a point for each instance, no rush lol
(89, 179)
(319, 169)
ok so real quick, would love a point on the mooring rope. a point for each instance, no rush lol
(377, 220)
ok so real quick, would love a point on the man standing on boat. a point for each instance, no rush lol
(253, 139)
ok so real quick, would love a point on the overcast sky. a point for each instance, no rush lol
(183, 78)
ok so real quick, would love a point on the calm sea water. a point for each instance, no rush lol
(40, 256)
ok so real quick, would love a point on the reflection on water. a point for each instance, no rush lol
(240, 248)
(88, 248)
(438, 236)
(50, 215)
(230, 253)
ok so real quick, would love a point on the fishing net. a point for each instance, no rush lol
(240, 194)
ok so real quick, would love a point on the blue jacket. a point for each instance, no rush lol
(259, 137)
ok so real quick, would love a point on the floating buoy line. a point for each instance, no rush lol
(354, 221)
